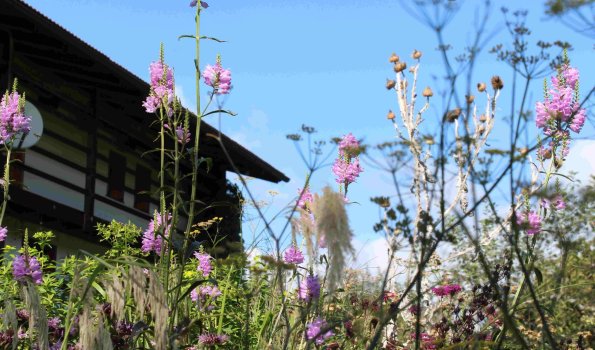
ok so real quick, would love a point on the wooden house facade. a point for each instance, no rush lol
(86, 167)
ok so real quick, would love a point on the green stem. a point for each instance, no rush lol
(6, 184)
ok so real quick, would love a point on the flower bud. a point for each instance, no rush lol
(393, 58)
(416, 55)
(390, 115)
(427, 92)
(483, 118)
(400, 66)
(481, 87)
(523, 151)
(497, 83)
(469, 98)
(390, 84)
(481, 129)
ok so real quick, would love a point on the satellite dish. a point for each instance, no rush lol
(23, 141)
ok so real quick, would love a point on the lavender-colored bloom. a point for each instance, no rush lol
(348, 145)
(203, 292)
(559, 203)
(305, 199)
(3, 233)
(23, 266)
(12, 119)
(182, 136)
(346, 171)
(293, 255)
(152, 240)
(309, 288)
(203, 4)
(211, 339)
(318, 330)
(530, 221)
(204, 263)
(162, 88)
(218, 78)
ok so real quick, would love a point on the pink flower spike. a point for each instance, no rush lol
(23, 267)
(306, 198)
(293, 255)
(204, 263)
(3, 233)
(218, 78)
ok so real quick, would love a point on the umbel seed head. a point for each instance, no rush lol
(400, 66)
(453, 115)
(390, 115)
(481, 87)
(416, 55)
(390, 84)
(427, 92)
(497, 82)
(469, 99)
(393, 58)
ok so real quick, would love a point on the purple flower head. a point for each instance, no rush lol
(293, 255)
(203, 4)
(346, 171)
(12, 118)
(182, 136)
(306, 198)
(162, 88)
(309, 288)
(447, 289)
(204, 263)
(211, 339)
(218, 78)
(559, 203)
(530, 222)
(203, 292)
(319, 331)
(152, 239)
(23, 267)
(3, 233)
(348, 145)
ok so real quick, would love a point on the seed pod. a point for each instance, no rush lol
(390, 84)
(400, 66)
(416, 55)
(469, 98)
(497, 82)
(452, 115)
(393, 58)
(427, 92)
(481, 87)
(390, 115)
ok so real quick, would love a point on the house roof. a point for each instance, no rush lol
(94, 67)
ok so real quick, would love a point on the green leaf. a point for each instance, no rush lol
(211, 38)
(186, 36)
(538, 275)
(233, 114)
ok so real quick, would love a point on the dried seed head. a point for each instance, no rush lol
(483, 118)
(497, 82)
(390, 84)
(547, 154)
(400, 66)
(481, 87)
(558, 162)
(390, 115)
(523, 151)
(481, 129)
(469, 98)
(393, 58)
(452, 115)
(416, 55)
(427, 92)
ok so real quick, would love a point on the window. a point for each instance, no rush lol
(116, 176)
(16, 168)
(142, 186)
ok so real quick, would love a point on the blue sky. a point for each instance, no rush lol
(322, 63)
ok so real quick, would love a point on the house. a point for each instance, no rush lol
(86, 167)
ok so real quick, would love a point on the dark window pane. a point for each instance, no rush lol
(142, 186)
(116, 177)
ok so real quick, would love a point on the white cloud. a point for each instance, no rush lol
(581, 159)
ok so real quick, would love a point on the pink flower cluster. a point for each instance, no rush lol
(447, 289)
(26, 266)
(305, 199)
(218, 78)
(346, 167)
(427, 341)
(183, 136)
(12, 118)
(293, 255)
(3, 233)
(162, 88)
(211, 339)
(204, 263)
(203, 292)
(309, 288)
(530, 222)
(319, 331)
(152, 240)
(561, 109)
(558, 203)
